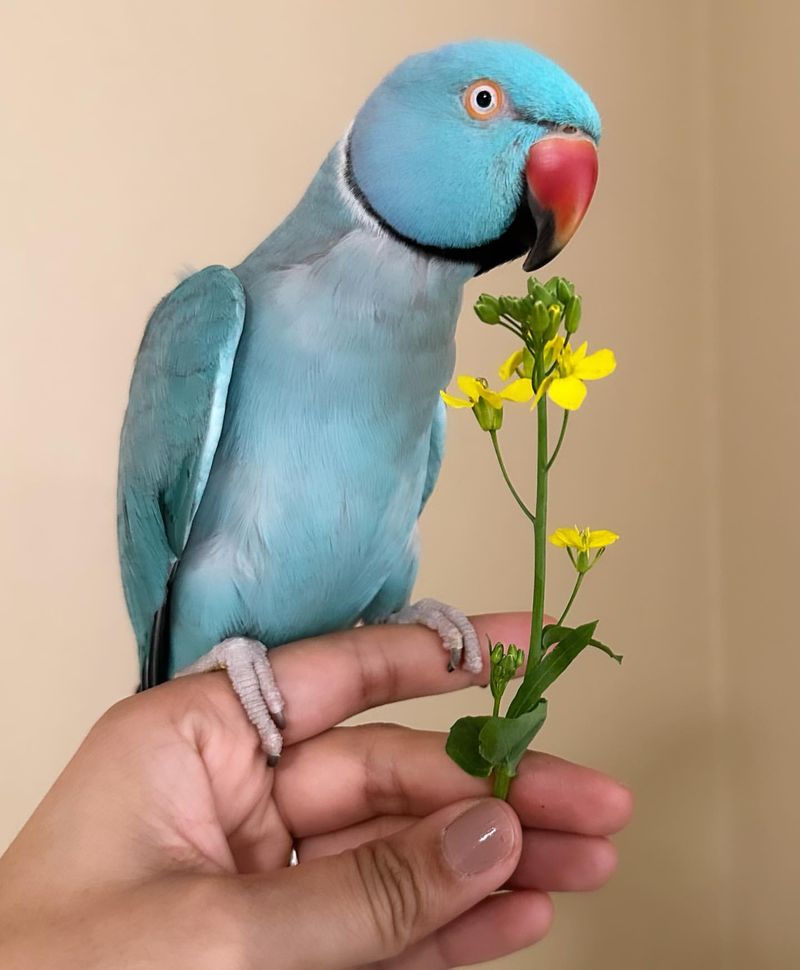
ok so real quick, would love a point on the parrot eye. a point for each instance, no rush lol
(483, 99)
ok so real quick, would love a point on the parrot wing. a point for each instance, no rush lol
(436, 452)
(170, 434)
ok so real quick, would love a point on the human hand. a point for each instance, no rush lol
(165, 841)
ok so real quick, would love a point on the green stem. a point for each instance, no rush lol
(520, 503)
(560, 440)
(509, 324)
(501, 782)
(540, 529)
(496, 708)
(571, 600)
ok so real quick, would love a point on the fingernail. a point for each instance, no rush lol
(478, 839)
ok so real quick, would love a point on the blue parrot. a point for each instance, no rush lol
(284, 428)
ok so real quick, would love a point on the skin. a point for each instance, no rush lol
(165, 841)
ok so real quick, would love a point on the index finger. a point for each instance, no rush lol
(327, 679)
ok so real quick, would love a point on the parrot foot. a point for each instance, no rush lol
(248, 668)
(457, 633)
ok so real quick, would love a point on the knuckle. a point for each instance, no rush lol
(395, 893)
(384, 788)
(377, 675)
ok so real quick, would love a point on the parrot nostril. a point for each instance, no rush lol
(569, 129)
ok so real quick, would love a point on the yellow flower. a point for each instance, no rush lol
(520, 362)
(565, 386)
(477, 389)
(582, 540)
(486, 404)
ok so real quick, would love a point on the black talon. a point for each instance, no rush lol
(279, 719)
(272, 760)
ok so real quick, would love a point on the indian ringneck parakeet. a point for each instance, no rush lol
(284, 428)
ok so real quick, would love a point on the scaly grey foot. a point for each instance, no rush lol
(457, 633)
(246, 663)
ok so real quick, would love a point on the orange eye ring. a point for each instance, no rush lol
(484, 99)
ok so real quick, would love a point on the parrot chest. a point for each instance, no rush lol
(313, 497)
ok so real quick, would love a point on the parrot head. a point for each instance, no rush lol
(477, 152)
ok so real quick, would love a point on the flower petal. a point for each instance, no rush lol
(493, 398)
(471, 386)
(567, 392)
(455, 402)
(556, 345)
(580, 353)
(509, 366)
(566, 536)
(520, 390)
(601, 537)
(599, 364)
(542, 390)
(552, 350)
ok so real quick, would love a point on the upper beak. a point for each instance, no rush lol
(561, 172)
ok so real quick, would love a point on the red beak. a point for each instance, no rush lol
(561, 172)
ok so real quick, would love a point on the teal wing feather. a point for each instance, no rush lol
(171, 431)
(436, 453)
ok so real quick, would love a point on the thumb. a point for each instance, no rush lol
(372, 902)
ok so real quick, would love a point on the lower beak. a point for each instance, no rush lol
(561, 173)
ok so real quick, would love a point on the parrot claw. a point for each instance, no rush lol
(248, 668)
(457, 633)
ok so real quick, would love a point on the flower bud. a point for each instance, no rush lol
(540, 293)
(554, 321)
(510, 306)
(540, 318)
(552, 287)
(572, 314)
(487, 308)
(525, 310)
(566, 290)
(497, 654)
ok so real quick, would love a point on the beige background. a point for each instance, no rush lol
(141, 137)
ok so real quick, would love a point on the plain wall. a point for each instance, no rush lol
(141, 138)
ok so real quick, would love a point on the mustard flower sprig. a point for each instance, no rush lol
(544, 369)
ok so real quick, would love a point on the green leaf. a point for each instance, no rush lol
(550, 668)
(554, 634)
(606, 650)
(504, 740)
(463, 746)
